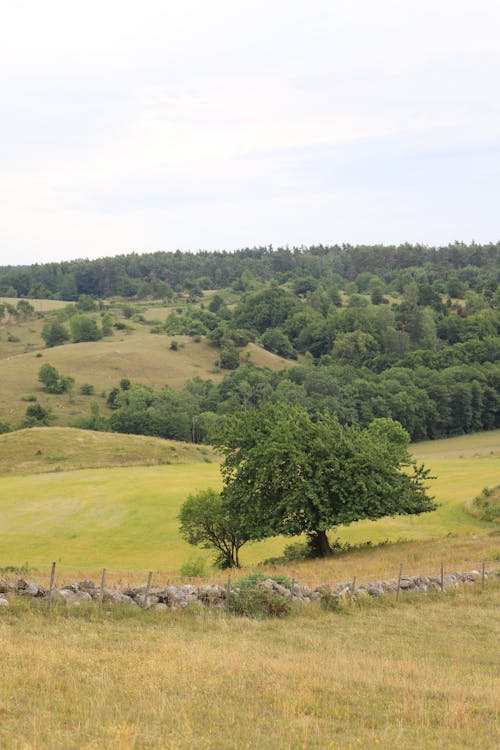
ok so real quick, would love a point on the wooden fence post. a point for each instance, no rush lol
(101, 595)
(51, 586)
(483, 575)
(399, 581)
(148, 586)
(228, 589)
(442, 578)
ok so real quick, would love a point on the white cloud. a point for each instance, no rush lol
(225, 124)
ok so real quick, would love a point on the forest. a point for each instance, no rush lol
(410, 333)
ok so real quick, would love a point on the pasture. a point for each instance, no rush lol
(423, 676)
(125, 517)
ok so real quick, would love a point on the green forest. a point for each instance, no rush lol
(410, 332)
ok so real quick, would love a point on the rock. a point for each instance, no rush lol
(69, 595)
(5, 586)
(117, 597)
(161, 607)
(27, 588)
(3, 602)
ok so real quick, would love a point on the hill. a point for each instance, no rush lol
(47, 449)
(126, 517)
(138, 355)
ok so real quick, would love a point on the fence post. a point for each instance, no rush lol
(483, 575)
(292, 584)
(353, 585)
(51, 586)
(148, 586)
(399, 581)
(442, 578)
(228, 589)
(101, 595)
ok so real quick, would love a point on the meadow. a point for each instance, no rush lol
(125, 517)
(422, 676)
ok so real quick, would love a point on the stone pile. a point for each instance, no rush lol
(214, 595)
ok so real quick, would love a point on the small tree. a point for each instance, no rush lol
(54, 333)
(84, 328)
(207, 521)
(53, 381)
(37, 416)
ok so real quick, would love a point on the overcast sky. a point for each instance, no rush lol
(157, 125)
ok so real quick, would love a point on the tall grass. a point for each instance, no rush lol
(422, 676)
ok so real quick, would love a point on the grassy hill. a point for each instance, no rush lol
(136, 354)
(47, 449)
(126, 517)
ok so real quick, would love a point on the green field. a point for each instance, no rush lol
(126, 518)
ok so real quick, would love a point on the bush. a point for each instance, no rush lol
(37, 416)
(486, 506)
(329, 601)
(258, 603)
(193, 568)
(4, 427)
(54, 333)
(87, 389)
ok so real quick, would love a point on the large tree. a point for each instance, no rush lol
(285, 473)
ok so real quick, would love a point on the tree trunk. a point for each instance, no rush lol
(323, 543)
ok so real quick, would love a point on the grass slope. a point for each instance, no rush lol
(140, 356)
(422, 676)
(126, 518)
(44, 449)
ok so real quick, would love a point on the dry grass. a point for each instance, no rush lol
(46, 449)
(139, 355)
(420, 677)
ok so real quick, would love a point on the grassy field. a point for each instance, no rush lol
(423, 676)
(139, 355)
(126, 518)
(48, 449)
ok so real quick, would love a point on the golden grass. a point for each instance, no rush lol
(47, 449)
(139, 355)
(420, 676)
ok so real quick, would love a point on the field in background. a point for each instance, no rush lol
(422, 676)
(126, 518)
(53, 449)
(136, 354)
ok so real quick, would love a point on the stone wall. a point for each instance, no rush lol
(164, 597)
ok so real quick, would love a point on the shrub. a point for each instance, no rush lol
(86, 389)
(193, 568)
(329, 601)
(486, 506)
(4, 427)
(258, 603)
(54, 333)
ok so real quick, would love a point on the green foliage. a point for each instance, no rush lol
(486, 506)
(54, 333)
(257, 602)
(86, 389)
(37, 416)
(193, 568)
(54, 382)
(86, 303)
(206, 521)
(84, 328)
(229, 359)
(287, 474)
(4, 427)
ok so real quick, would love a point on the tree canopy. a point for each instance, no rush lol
(285, 473)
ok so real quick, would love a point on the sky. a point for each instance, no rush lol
(160, 125)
